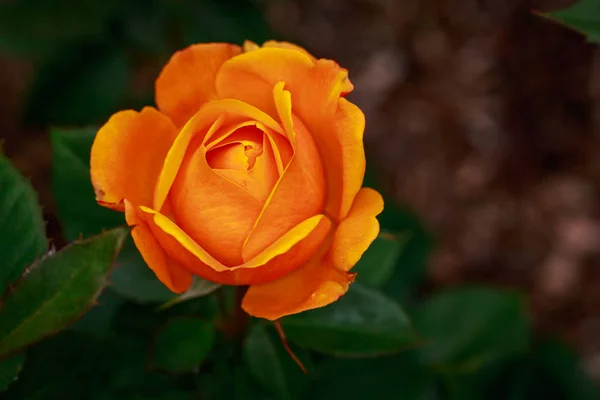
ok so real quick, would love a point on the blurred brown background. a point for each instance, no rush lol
(481, 117)
(484, 119)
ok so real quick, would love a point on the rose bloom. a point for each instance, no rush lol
(248, 173)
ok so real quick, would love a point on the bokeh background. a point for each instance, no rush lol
(483, 122)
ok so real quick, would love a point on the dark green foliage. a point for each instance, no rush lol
(183, 343)
(469, 327)
(21, 224)
(57, 290)
(10, 368)
(582, 16)
(363, 322)
(385, 339)
(272, 367)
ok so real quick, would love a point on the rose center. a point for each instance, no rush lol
(246, 158)
(238, 152)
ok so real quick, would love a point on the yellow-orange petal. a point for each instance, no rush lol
(324, 278)
(177, 278)
(249, 45)
(206, 122)
(343, 147)
(357, 231)
(250, 77)
(230, 160)
(216, 212)
(316, 284)
(288, 45)
(290, 252)
(123, 162)
(188, 80)
(316, 87)
(299, 193)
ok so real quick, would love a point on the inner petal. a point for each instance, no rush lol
(245, 157)
(239, 151)
(230, 156)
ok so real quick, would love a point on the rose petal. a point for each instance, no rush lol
(343, 147)
(324, 278)
(230, 160)
(216, 212)
(124, 156)
(280, 145)
(355, 234)
(188, 80)
(316, 284)
(298, 194)
(169, 272)
(336, 124)
(288, 45)
(250, 77)
(288, 253)
(251, 46)
(282, 150)
(206, 122)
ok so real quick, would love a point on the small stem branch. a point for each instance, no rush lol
(240, 319)
(234, 322)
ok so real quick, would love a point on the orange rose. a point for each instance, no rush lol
(249, 173)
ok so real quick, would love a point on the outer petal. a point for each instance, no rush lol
(324, 278)
(288, 253)
(316, 284)
(169, 272)
(188, 79)
(124, 156)
(336, 124)
(299, 193)
(355, 234)
(251, 46)
(251, 76)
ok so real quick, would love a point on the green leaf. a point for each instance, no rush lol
(200, 288)
(471, 326)
(227, 381)
(133, 279)
(74, 365)
(76, 204)
(76, 361)
(583, 16)
(21, 225)
(81, 215)
(272, 366)
(549, 371)
(414, 257)
(57, 290)
(183, 344)
(564, 369)
(9, 369)
(412, 264)
(98, 320)
(393, 377)
(377, 265)
(245, 387)
(130, 374)
(363, 322)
